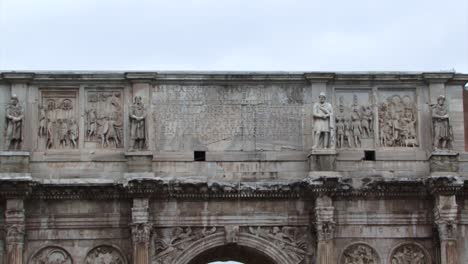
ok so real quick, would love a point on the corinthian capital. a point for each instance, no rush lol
(141, 233)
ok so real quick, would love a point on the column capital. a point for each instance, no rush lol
(324, 218)
(141, 232)
(445, 216)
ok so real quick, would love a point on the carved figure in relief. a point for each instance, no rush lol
(360, 254)
(354, 122)
(51, 255)
(104, 124)
(14, 124)
(323, 123)
(73, 133)
(138, 124)
(167, 248)
(340, 127)
(409, 254)
(367, 118)
(42, 121)
(356, 127)
(441, 125)
(397, 122)
(104, 255)
(91, 119)
(58, 124)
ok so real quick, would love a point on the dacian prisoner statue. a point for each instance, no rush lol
(323, 124)
(14, 124)
(138, 124)
(441, 125)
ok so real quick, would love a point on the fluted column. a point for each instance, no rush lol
(14, 221)
(325, 228)
(445, 216)
(141, 229)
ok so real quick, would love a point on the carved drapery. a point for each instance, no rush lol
(14, 114)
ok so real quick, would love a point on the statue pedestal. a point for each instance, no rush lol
(444, 161)
(322, 160)
(14, 161)
(139, 161)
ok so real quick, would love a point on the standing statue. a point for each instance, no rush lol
(323, 123)
(138, 124)
(441, 125)
(14, 126)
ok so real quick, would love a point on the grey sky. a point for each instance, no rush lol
(330, 35)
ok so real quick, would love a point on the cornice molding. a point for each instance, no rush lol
(230, 76)
(308, 188)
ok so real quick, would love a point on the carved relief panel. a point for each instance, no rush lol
(169, 243)
(104, 118)
(409, 254)
(354, 119)
(398, 118)
(227, 118)
(59, 119)
(105, 254)
(360, 253)
(51, 255)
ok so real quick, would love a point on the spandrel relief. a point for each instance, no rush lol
(398, 119)
(58, 120)
(354, 119)
(104, 119)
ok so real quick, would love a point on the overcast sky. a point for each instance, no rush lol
(289, 35)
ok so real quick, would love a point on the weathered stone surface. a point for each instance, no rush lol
(195, 167)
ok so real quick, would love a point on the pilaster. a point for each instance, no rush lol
(325, 228)
(445, 218)
(15, 230)
(141, 230)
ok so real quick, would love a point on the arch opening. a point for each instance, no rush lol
(232, 252)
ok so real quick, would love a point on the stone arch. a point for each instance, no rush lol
(371, 252)
(412, 246)
(105, 250)
(256, 243)
(51, 253)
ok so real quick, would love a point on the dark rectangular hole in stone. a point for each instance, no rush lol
(369, 155)
(199, 155)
